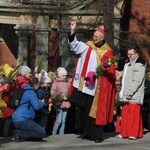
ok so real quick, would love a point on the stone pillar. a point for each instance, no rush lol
(116, 34)
(68, 58)
(23, 33)
(42, 32)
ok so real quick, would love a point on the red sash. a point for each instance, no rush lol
(86, 62)
(83, 70)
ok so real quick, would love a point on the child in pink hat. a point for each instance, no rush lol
(61, 86)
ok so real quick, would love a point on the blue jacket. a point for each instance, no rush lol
(28, 105)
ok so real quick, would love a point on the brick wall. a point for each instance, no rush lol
(6, 55)
(140, 18)
(140, 24)
(136, 24)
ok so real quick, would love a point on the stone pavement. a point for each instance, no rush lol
(73, 142)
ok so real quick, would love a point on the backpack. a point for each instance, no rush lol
(15, 98)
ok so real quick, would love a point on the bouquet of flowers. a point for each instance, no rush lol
(106, 64)
(56, 99)
(8, 73)
(110, 61)
(13, 73)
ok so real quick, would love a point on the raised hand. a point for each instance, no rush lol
(72, 26)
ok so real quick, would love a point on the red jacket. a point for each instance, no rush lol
(22, 81)
(7, 112)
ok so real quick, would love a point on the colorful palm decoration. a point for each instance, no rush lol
(13, 73)
(106, 64)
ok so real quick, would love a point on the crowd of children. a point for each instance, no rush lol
(50, 117)
(51, 92)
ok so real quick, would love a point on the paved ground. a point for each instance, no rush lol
(73, 142)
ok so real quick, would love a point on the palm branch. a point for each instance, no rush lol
(40, 63)
(12, 73)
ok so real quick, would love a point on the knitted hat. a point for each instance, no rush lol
(61, 72)
(43, 77)
(24, 70)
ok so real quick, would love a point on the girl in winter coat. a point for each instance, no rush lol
(43, 93)
(60, 85)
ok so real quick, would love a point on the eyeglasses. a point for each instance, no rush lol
(94, 37)
(131, 54)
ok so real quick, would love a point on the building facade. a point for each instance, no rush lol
(40, 27)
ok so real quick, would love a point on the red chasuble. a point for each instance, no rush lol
(106, 95)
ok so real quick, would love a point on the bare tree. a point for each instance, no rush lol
(109, 21)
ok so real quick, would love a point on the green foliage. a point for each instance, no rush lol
(2, 73)
(99, 70)
(56, 98)
(117, 104)
(40, 63)
(147, 78)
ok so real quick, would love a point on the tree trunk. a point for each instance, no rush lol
(109, 21)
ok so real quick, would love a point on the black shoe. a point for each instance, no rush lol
(16, 137)
(92, 139)
(85, 137)
(19, 139)
(34, 139)
(99, 140)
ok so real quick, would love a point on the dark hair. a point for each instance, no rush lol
(135, 48)
(33, 81)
